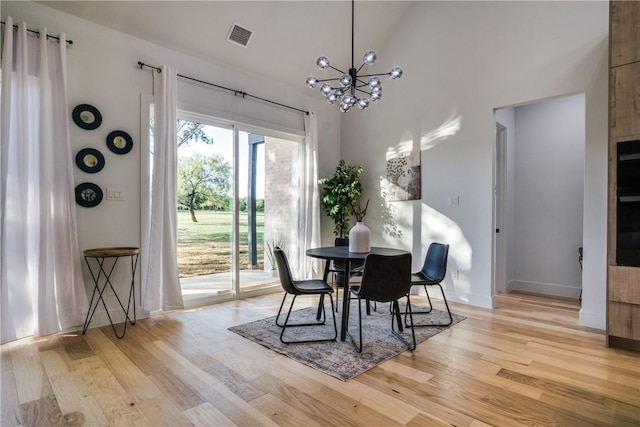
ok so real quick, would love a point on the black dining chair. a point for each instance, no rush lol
(432, 274)
(338, 268)
(302, 287)
(385, 278)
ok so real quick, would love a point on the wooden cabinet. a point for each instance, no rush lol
(624, 32)
(625, 100)
(623, 282)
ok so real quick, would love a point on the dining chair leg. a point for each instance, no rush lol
(428, 299)
(320, 308)
(395, 313)
(280, 310)
(358, 344)
(444, 298)
(320, 321)
(287, 325)
(411, 346)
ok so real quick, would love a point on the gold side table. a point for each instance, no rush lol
(100, 255)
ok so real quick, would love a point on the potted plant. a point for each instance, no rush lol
(339, 194)
(275, 242)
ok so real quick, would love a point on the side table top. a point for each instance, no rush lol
(111, 252)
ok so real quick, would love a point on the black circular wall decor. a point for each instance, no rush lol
(90, 160)
(87, 116)
(88, 194)
(119, 142)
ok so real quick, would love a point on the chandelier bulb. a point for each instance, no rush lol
(345, 107)
(374, 82)
(376, 93)
(363, 103)
(323, 62)
(395, 73)
(325, 88)
(369, 57)
(346, 80)
(312, 81)
(350, 100)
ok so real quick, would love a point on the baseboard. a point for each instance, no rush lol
(592, 320)
(484, 301)
(544, 288)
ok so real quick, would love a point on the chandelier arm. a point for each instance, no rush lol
(363, 91)
(328, 80)
(375, 75)
(334, 68)
(363, 64)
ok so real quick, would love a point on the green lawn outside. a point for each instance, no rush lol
(204, 247)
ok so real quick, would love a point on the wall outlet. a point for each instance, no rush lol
(454, 200)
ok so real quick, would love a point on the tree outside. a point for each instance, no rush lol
(191, 131)
(204, 182)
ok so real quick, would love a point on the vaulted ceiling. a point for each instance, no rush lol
(288, 36)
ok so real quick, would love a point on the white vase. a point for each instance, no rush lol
(360, 238)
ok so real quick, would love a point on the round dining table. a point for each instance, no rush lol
(341, 253)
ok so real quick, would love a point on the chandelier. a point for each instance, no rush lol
(353, 88)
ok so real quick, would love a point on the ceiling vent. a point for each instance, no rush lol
(239, 35)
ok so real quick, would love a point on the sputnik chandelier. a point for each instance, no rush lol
(352, 89)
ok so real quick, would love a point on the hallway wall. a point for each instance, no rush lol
(548, 197)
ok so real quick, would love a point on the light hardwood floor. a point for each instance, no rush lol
(523, 363)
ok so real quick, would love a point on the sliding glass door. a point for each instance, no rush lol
(237, 199)
(204, 209)
(268, 204)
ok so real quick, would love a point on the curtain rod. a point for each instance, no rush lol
(235, 92)
(38, 33)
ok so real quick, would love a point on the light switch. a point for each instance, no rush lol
(117, 194)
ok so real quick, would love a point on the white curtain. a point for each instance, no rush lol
(162, 287)
(310, 232)
(42, 287)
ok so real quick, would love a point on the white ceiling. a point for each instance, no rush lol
(288, 35)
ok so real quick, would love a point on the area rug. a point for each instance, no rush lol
(340, 358)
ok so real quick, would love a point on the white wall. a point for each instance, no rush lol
(548, 197)
(461, 61)
(103, 71)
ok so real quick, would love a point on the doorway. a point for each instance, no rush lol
(539, 169)
(500, 182)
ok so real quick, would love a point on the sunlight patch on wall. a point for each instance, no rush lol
(412, 226)
(428, 139)
(437, 227)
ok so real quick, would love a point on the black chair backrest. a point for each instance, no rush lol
(435, 263)
(344, 241)
(286, 280)
(341, 241)
(386, 277)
